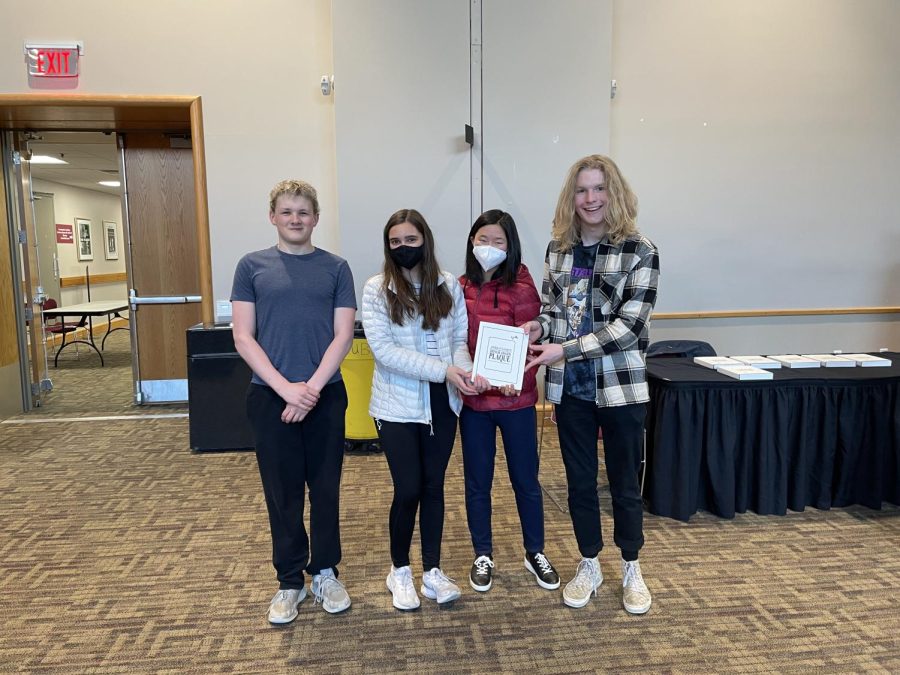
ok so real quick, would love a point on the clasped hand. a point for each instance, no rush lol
(299, 398)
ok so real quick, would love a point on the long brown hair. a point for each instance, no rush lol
(621, 213)
(433, 301)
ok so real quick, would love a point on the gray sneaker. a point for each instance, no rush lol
(330, 592)
(588, 578)
(283, 608)
(635, 595)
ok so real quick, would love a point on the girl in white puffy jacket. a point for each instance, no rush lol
(415, 321)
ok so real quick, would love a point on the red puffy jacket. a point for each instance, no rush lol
(511, 306)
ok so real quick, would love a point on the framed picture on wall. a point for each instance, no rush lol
(85, 246)
(111, 240)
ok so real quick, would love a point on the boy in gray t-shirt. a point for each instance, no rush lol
(293, 308)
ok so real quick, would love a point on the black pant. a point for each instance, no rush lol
(578, 424)
(417, 456)
(290, 457)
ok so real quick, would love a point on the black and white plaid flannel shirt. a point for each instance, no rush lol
(623, 293)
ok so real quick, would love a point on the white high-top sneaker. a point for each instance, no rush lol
(587, 580)
(635, 595)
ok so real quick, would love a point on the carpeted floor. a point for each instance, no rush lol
(121, 551)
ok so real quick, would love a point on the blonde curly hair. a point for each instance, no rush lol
(621, 212)
(294, 188)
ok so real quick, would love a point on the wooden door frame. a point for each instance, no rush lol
(122, 113)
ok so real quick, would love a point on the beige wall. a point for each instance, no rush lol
(763, 140)
(256, 65)
(800, 97)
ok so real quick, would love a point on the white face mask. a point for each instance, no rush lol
(488, 256)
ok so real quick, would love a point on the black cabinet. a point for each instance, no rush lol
(217, 389)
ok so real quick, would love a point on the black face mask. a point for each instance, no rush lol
(408, 256)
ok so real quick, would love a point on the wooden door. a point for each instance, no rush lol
(162, 261)
(31, 283)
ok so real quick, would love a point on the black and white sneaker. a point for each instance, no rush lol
(481, 577)
(543, 571)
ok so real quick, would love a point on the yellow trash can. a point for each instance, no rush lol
(357, 369)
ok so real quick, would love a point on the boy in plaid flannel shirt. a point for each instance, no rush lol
(599, 289)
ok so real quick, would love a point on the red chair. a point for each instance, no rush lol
(55, 325)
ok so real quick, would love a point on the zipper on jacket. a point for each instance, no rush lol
(426, 395)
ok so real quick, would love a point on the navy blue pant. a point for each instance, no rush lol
(291, 457)
(478, 432)
(417, 456)
(578, 423)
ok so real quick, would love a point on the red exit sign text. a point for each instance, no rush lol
(52, 61)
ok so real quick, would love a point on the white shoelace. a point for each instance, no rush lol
(632, 575)
(543, 563)
(323, 585)
(438, 578)
(584, 575)
(482, 563)
(403, 576)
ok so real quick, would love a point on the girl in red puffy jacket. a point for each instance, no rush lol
(499, 289)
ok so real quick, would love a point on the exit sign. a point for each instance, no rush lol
(46, 60)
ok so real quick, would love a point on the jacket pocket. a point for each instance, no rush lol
(610, 286)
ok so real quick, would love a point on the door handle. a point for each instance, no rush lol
(134, 299)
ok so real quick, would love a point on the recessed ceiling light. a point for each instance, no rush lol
(110, 183)
(46, 159)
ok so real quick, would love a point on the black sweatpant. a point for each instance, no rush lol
(290, 457)
(417, 456)
(578, 423)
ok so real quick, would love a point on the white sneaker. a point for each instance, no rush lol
(635, 595)
(588, 578)
(400, 584)
(330, 592)
(283, 607)
(438, 586)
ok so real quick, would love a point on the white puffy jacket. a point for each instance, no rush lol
(400, 391)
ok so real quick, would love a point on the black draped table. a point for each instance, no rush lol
(817, 437)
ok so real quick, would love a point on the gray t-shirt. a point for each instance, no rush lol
(295, 298)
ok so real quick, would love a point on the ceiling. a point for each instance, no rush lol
(91, 156)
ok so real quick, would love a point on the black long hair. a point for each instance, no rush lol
(508, 270)
(433, 301)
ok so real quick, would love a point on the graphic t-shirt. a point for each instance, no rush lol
(579, 378)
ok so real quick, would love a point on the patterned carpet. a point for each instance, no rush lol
(121, 551)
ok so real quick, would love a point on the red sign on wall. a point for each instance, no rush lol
(52, 60)
(64, 234)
